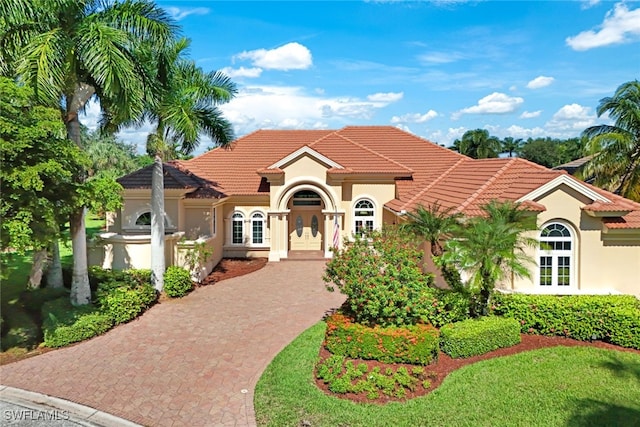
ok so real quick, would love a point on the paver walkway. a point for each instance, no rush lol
(188, 362)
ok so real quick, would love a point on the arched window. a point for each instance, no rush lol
(144, 220)
(257, 228)
(364, 214)
(237, 228)
(556, 256)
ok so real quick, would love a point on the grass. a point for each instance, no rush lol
(558, 386)
(19, 322)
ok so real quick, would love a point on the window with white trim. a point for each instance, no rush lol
(237, 228)
(257, 228)
(364, 217)
(556, 256)
(144, 220)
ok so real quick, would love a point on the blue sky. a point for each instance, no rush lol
(521, 69)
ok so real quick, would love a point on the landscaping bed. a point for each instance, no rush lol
(444, 365)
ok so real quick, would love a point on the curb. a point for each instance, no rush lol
(85, 415)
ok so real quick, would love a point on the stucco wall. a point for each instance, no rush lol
(602, 264)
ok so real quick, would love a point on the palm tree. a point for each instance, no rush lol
(72, 51)
(182, 108)
(511, 145)
(435, 224)
(478, 144)
(490, 248)
(616, 148)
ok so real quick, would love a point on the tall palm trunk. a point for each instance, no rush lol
(157, 225)
(80, 289)
(54, 272)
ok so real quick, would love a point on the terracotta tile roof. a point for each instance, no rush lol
(235, 169)
(631, 220)
(425, 172)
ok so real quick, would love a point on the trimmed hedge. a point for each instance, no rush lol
(177, 282)
(479, 336)
(64, 324)
(440, 307)
(610, 318)
(416, 344)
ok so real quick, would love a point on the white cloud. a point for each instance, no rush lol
(292, 107)
(91, 115)
(242, 72)
(291, 56)
(517, 132)
(540, 82)
(587, 4)
(530, 114)
(415, 117)
(496, 103)
(386, 97)
(440, 57)
(179, 13)
(570, 120)
(446, 139)
(620, 25)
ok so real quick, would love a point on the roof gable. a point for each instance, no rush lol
(305, 151)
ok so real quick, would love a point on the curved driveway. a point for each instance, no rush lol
(188, 362)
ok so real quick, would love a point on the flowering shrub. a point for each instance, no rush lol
(416, 344)
(473, 337)
(381, 276)
(610, 318)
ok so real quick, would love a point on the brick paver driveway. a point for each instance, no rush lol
(188, 362)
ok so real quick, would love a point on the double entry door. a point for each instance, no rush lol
(305, 230)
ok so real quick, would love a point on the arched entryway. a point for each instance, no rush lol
(304, 219)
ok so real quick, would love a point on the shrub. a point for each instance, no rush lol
(381, 276)
(125, 295)
(610, 318)
(342, 376)
(478, 336)
(177, 282)
(417, 344)
(440, 307)
(64, 324)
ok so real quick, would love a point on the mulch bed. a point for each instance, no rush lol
(439, 370)
(233, 267)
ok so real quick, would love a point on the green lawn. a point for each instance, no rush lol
(18, 267)
(560, 386)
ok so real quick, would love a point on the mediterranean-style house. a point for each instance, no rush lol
(279, 193)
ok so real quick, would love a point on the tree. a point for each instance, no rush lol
(71, 51)
(616, 148)
(543, 151)
(109, 157)
(511, 145)
(478, 144)
(490, 248)
(37, 175)
(183, 107)
(434, 225)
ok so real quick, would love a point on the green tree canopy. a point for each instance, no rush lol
(38, 167)
(70, 51)
(615, 164)
(478, 144)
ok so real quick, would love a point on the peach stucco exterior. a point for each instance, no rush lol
(251, 203)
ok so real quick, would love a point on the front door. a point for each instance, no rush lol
(305, 230)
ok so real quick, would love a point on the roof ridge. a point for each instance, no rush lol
(364, 147)
(484, 186)
(435, 181)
